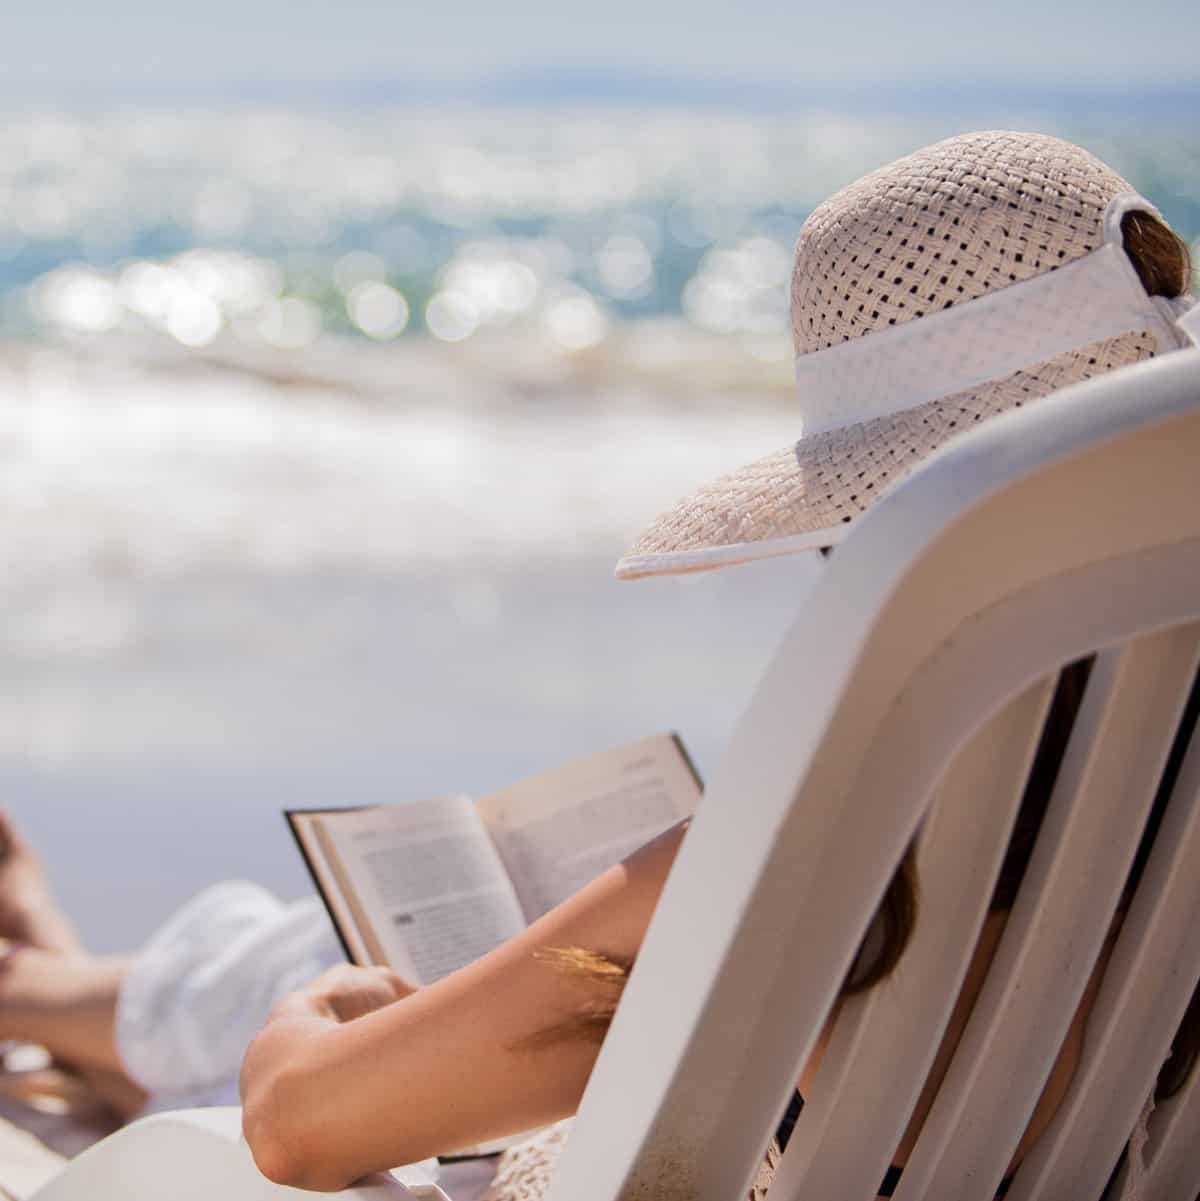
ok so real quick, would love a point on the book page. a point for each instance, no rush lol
(429, 891)
(327, 878)
(561, 829)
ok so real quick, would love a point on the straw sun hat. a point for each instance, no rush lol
(969, 278)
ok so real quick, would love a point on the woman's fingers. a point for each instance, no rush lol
(347, 991)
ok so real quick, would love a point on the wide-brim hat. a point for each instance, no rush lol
(967, 279)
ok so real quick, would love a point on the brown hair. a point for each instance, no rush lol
(1163, 264)
(1158, 254)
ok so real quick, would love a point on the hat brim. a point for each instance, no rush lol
(808, 495)
(636, 567)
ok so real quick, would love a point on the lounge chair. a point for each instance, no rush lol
(907, 701)
(25, 1161)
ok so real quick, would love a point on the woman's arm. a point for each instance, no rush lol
(329, 1095)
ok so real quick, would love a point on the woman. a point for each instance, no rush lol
(357, 1070)
(503, 1044)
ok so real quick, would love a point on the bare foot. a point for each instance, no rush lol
(28, 911)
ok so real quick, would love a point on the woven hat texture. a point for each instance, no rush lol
(949, 224)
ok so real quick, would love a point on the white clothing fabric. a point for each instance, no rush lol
(202, 987)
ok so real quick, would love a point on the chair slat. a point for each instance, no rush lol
(1174, 1151)
(1131, 1026)
(1089, 836)
(885, 1041)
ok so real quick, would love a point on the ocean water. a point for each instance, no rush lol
(272, 226)
(320, 433)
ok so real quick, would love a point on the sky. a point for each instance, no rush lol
(56, 47)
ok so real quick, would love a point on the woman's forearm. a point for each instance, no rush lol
(452, 1064)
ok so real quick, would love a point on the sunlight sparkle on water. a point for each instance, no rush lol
(480, 218)
(451, 316)
(77, 299)
(576, 322)
(378, 310)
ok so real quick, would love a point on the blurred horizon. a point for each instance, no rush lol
(1100, 98)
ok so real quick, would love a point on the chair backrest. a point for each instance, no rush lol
(907, 701)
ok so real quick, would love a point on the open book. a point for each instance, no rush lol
(428, 886)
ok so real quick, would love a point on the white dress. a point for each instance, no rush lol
(202, 987)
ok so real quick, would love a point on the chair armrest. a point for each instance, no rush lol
(200, 1155)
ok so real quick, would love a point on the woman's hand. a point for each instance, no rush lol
(343, 1082)
(346, 992)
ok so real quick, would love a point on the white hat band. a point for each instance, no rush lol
(1090, 299)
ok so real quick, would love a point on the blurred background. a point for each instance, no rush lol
(344, 347)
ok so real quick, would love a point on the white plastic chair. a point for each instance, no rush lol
(907, 701)
(200, 1155)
